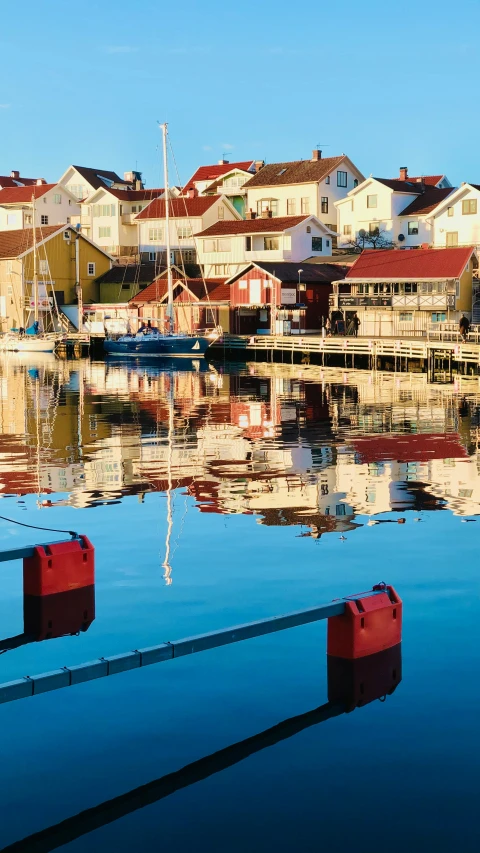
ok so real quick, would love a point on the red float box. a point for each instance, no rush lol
(59, 567)
(372, 622)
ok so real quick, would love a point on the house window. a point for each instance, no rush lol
(373, 228)
(355, 182)
(90, 268)
(452, 238)
(28, 219)
(411, 287)
(220, 245)
(11, 218)
(371, 200)
(439, 317)
(125, 287)
(155, 235)
(104, 232)
(78, 190)
(66, 235)
(242, 284)
(43, 266)
(57, 198)
(327, 179)
(324, 204)
(248, 244)
(221, 211)
(317, 244)
(219, 269)
(271, 244)
(140, 207)
(134, 208)
(469, 205)
(290, 207)
(341, 179)
(152, 256)
(347, 230)
(265, 204)
(44, 220)
(412, 228)
(405, 317)
(104, 209)
(450, 211)
(305, 204)
(309, 229)
(184, 232)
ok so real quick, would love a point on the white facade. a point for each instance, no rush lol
(56, 206)
(457, 219)
(226, 254)
(79, 186)
(110, 221)
(316, 198)
(182, 230)
(373, 204)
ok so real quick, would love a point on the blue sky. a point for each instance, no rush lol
(387, 84)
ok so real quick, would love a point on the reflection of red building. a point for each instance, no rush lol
(419, 447)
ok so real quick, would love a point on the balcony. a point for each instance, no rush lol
(419, 301)
(83, 220)
(269, 255)
(129, 219)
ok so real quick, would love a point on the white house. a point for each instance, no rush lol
(397, 208)
(188, 215)
(81, 181)
(53, 205)
(457, 218)
(303, 187)
(226, 179)
(108, 217)
(225, 247)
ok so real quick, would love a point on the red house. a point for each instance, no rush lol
(281, 298)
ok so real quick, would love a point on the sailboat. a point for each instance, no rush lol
(148, 340)
(30, 339)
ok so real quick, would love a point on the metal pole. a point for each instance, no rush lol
(164, 128)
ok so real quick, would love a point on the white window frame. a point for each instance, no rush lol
(91, 269)
(44, 219)
(57, 198)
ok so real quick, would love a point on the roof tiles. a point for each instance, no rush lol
(209, 173)
(273, 224)
(296, 172)
(398, 264)
(178, 208)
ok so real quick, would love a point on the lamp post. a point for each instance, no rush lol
(299, 274)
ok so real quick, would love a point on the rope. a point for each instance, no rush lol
(71, 533)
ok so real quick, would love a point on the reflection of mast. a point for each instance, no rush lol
(166, 563)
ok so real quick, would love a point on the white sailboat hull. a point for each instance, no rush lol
(27, 344)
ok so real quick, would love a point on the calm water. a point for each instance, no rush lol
(277, 481)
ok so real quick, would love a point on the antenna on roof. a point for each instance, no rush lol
(322, 145)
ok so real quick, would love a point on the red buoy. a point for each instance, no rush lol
(372, 622)
(59, 567)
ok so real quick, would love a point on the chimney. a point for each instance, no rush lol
(316, 155)
(192, 192)
(404, 173)
(15, 175)
(266, 214)
(250, 214)
(259, 164)
(39, 182)
(138, 185)
(223, 162)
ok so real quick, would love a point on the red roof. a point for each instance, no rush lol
(252, 226)
(427, 201)
(8, 181)
(209, 173)
(397, 264)
(15, 243)
(134, 195)
(216, 288)
(178, 208)
(20, 195)
(429, 180)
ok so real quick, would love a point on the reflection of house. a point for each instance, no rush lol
(60, 251)
(224, 178)
(398, 292)
(188, 216)
(225, 247)
(297, 294)
(303, 187)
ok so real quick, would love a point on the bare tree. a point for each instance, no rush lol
(370, 240)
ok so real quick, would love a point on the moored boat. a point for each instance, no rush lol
(153, 343)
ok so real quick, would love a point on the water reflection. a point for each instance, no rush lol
(307, 446)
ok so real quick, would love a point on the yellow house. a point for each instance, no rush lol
(65, 258)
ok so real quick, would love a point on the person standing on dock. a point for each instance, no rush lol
(356, 324)
(464, 326)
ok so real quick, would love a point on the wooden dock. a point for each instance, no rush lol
(399, 354)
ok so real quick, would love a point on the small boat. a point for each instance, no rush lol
(150, 341)
(13, 342)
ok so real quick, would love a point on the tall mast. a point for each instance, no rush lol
(35, 275)
(167, 227)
